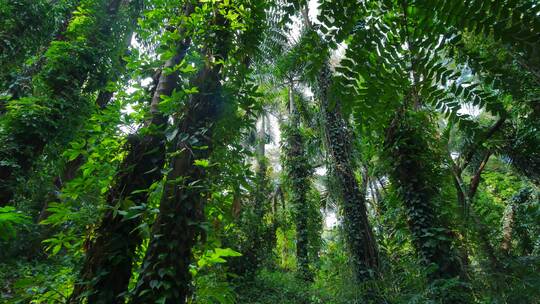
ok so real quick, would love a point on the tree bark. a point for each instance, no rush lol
(508, 227)
(475, 181)
(415, 175)
(359, 235)
(165, 274)
(252, 223)
(298, 171)
(107, 268)
(512, 229)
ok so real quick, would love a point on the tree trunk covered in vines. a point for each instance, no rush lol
(261, 192)
(259, 235)
(70, 168)
(165, 275)
(359, 235)
(508, 229)
(57, 107)
(107, 269)
(298, 170)
(165, 271)
(414, 172)
(512, 230)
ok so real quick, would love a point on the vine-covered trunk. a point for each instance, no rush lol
(258, 234)
(70, 168)
(165, 275)
(261, 178)
(57, 107)
(298, 170)
(413, 170)
(359, 235)
(512, 229)
(508, 227)
(107, 268)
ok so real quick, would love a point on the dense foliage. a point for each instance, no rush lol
(286, 151)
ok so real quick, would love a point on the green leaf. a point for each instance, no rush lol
(202, 163)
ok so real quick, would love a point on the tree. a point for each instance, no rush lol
(166, 277)
(109, 258)
(298, 170)
(62, 91)
(27, 29)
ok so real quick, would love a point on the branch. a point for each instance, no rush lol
(476, 178)
(305, 15)
(472, 150)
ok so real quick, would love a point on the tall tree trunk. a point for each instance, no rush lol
(508, 227)
(298, 170)
(57, 108)
(107, 268)
(261, 179)
(512, 229)
(377, 207)
(252, 222)
(475, 181)
(414, 173)
(165, 274)
(71, 167)
(359, 235)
